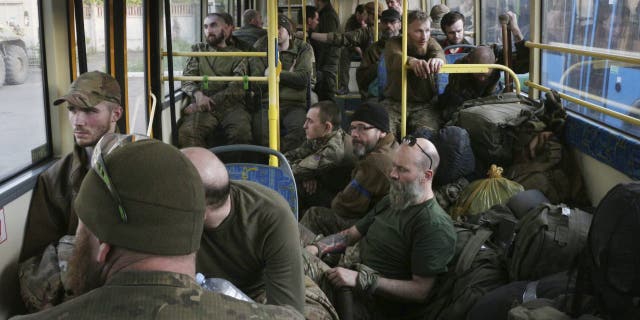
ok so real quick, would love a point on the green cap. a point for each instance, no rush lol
(90, 89)
(161, 192)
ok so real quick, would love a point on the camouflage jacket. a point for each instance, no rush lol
(362, 37)
(223, 93)
(317, 157)
(368, 69)
(51, 214)
(159, 295)
(249, 34)
(418, 90)
(370, 181)
(327, 57)
(298, 72)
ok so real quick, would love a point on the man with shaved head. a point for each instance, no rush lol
(250, 238)
(405, 242)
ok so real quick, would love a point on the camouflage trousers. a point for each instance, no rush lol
(321, 220)
(199, 129)
(316, 304)
(419, 116)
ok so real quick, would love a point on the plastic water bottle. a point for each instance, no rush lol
(221, 286)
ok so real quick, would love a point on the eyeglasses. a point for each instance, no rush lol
(360, 128)
(106, 145)
(411, 141)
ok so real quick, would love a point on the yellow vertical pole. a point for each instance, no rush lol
(304, 20)
(403, 100)
(289, 9)
(375, 23)
(272, 36)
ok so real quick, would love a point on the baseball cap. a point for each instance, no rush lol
(390, 15)
(90, 89)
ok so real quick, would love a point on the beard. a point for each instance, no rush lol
(215, 39)
(403, 195)
(84, 271)
(360, 149)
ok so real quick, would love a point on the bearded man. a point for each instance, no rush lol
(405, 242)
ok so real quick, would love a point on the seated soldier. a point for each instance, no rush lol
(141, 213)
(250, 239)
(358, 20)
(296, 77)
(323, 159)
(452, 25)
(436, 14)
(252, 29)
(405, 243)
(372, 145)
(424, 62)
(395, 5)
(367, 73)
(215, 103)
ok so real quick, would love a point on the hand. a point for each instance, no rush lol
(434, 64)
(203, 103)
(313, 250)
(310, 186)
(513, 26)
(341, 277)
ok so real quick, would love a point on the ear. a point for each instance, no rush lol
(328, 126)
(103, 252)
(116, 114)
(428, 174)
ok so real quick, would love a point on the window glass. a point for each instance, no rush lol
(186, 29)
(94, 35)
(135, 68)
(490, 28)
(602, 26)
(22, 117)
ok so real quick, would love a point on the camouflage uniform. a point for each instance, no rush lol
(370, 182)
(346, 54)
(249, 34)
(230, 112)
(296, 78)
(421, 113)
(328, 56)
(326, 160)
(368, 70)
(159, 295)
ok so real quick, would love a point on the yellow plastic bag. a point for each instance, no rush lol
(483, 194)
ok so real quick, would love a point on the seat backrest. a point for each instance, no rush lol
(382, 77)
(278, 178)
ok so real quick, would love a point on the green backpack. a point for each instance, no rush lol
(548, 240)
(476, 269)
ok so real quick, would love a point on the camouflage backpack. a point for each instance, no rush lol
(548, 240)
(476, 269)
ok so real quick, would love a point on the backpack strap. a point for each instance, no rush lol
(471, 249)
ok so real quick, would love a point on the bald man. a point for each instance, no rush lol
(250, 238)
(405, 242)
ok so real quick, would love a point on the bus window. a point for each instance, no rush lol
(601, 27)
(24, 135)
(491, 30)
(135, 67)
(186, 29)
(94, 35)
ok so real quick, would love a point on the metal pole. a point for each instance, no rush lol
(172, 98)
(272, 36)
(403, 100)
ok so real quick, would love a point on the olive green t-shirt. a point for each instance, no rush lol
(256, 247)
(418, 240)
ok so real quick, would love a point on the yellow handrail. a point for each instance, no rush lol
(217, 54)
(272, 36)
(480, 68)
(566, 48)
(375, 22)
(403, 91)
(216, 78)
(586, 104)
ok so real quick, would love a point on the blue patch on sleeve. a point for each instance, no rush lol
(354, 184)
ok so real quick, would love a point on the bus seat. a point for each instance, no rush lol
(278, 178)
(443, 78)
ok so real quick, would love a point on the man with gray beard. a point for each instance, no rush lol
(405, 242)
(373, 146)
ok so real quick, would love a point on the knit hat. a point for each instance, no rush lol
(284, 22)
(373, 114)
(390, 15)
(161, 193)
(90, 89)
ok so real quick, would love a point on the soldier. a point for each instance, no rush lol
(436, 14)
(406, 242)
(395, 5)
(424, 62)
(327, 56)
(326, 156)
(141, 212)
(296, 77)
(368, 73)
(452, 24)
(249, 238)
(215, 103)
(358, 20)
(252, 29)
(372, 145)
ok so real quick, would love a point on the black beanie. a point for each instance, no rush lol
(373, 114)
